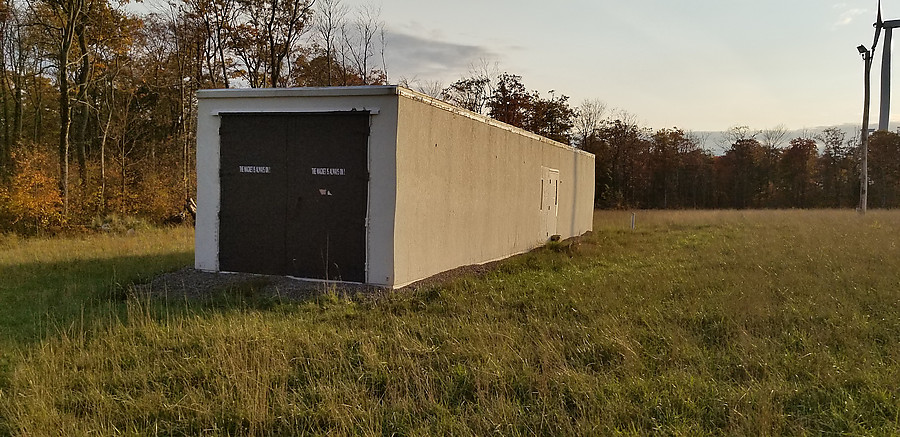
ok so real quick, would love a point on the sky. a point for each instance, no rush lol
(702, 65)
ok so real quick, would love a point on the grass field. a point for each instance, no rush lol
(716, 323)
(52, 285)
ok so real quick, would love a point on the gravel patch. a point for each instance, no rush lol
(189, 283)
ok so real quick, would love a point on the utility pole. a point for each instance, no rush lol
(864, 133)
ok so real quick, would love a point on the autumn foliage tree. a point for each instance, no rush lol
(100, 101)
(552, 118)
(510, 101)
(798, 174)
(837, 170)
(884, 169)
(471, 93)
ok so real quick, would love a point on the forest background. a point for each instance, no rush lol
(98, 113)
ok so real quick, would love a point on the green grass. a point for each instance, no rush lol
(694, 323)
(52, 285)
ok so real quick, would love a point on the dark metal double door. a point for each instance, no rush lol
(294, 189)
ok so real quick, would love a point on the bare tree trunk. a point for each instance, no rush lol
(73, 14)
(64, 125)
(111, 99)
(270, 40)
(81, 99)
(124, 185)
(6, 144)
(38, 115)
(103, 164)
(18, 82)
(123, 154)
(383, 59)
(4, 100)
(182, 114)
(332, 15)
(223, 19)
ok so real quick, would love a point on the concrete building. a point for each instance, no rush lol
(377, 185)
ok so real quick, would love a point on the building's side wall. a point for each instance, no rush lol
(469, 189)
(382, 140)
(576, 189)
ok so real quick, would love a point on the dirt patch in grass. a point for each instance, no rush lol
(192, 284)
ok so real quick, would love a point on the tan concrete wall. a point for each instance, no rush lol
(469, 189)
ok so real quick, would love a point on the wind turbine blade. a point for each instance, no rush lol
(879, 24)
(878, 20)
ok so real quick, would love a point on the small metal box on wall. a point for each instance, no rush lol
(378, 185)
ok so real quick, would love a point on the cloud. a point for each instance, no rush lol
(848, 15)
(427, 58)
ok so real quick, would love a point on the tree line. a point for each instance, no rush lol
(668, 168)
(97, 102)
(98, 113)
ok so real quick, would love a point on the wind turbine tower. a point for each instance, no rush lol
(888, 27)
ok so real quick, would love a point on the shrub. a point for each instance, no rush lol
(31, 201)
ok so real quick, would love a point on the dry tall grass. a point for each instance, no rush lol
(53, 284)
(737, 323)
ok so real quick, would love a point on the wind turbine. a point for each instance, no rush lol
(888, 27)
(884, 117)
(867, 55)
